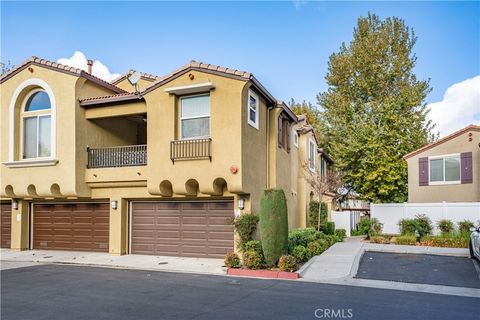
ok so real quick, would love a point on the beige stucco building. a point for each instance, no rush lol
(159, 168)
(446, 170)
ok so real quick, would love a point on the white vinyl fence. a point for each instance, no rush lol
(345, 220)
(391, 213)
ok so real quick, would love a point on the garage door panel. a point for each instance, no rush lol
(200, 229)
(5, 225)
(80, 226)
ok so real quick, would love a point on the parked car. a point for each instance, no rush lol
(475, 243)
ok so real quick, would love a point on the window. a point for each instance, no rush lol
(311, 154)
(37, 128)
(295, 138)
(445, 169)
(195, 116)
(253, 109)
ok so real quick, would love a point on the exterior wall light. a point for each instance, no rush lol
(114, 204)
(15, 204)
(241, 203)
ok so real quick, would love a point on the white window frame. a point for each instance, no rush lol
(17, 123)
(312, 145)
(255, 123)
(196, 117)
(433, 183)
(34, 114)
(295, 138)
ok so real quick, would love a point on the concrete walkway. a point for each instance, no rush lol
(156, 263)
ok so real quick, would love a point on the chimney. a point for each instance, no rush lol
(90, 65)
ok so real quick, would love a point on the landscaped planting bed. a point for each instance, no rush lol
(278, 253)
(418, 231)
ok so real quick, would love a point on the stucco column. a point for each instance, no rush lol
(118, 227)
(20, 221)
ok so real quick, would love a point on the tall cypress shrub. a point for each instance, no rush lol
(273, 225)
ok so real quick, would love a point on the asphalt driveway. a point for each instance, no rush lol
(77, 292)
(419, 268)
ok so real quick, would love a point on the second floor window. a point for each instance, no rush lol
(36, 133)
(253, 109)
(312, 150)
(195, 116)
(445, 169)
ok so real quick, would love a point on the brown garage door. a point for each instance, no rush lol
(5, 224)
(73, 227)
(195, 229)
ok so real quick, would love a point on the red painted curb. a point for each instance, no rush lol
(271, 274)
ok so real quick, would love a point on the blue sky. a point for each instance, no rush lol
(285, 44)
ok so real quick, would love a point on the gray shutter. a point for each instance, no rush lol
(423, 171)
(466, 167)
(280, 131)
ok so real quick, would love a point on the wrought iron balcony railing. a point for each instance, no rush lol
(124, 156)
(191, 149)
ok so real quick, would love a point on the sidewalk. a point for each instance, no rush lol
(141, 262)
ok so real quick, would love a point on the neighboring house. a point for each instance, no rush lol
(97, 166)
(446, 170)
(311, 157)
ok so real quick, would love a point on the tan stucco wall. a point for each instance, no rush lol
(225, 128)
(449, 192)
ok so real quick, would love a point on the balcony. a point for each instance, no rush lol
(191, 149)
(112, 157)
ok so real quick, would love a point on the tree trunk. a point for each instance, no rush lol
(319, 210)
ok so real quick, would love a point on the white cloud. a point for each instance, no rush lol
(460, 107)
(299, 3)
(79, 60)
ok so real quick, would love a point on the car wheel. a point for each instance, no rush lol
(472, 255)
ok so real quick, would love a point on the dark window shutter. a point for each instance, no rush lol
(423, 171)
(280, 131)
(466, 167)
(288, 136)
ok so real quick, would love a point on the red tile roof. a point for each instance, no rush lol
(59, 67)
(471, 127)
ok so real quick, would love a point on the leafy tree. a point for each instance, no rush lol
(5, 67)
(374, 108)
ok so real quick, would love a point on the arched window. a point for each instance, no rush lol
(36, 125)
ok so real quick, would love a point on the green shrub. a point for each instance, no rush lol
(341, 233)
(375, 227)
(407, 226)
(445, 226)
(423, 225)
(232, 260)
(317, 247)
(287, 263)
(301, 237)
(407, 239)
(273, 225)
(364, 226)
(465, 225)
(331, 239)
(329, 228)
(245, 225)
(252, 260)
(354, 233)
(452, 240)
(253, 245)
(313, 214)
(300, 253)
